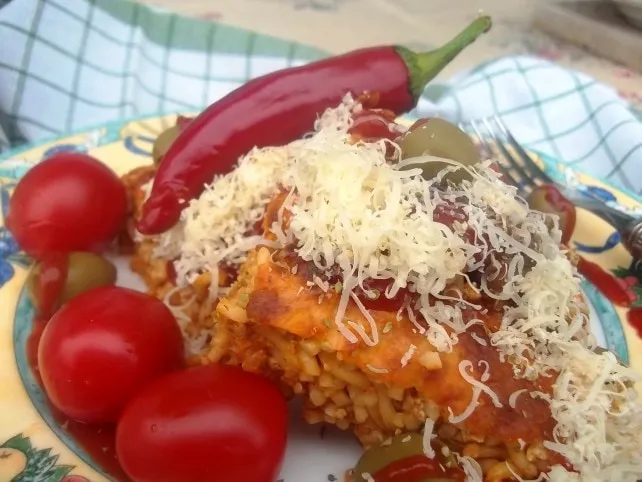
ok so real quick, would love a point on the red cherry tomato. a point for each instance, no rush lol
(212, 422)
(548, 199)
(102, 347)
(69, 202)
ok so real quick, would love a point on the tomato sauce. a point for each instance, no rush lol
(50, 283)
(416, 469)
(374, 125)
(380, 302)
(171, 272)
(98, 441)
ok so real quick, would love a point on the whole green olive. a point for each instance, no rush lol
(397, 448)
(163, 143)
(438, 137)
(85, 271)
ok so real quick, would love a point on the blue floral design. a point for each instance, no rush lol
(9, 249)
(64, 148)
(131, 144)
(600, 193)
(610, 243)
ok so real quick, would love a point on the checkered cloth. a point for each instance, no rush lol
(69, 64)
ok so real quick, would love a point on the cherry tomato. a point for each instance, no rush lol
(373, 125)
(69, 202)
(548, 199)
(208, 423)
(103, 346)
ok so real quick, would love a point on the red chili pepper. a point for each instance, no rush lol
(617, 290)
(416, 469)
(634, 317)
(282, 106)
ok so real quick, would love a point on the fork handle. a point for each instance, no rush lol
(632, 237)
(630, 228)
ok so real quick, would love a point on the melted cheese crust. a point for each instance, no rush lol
(285, 301)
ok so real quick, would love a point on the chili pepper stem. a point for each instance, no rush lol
(424, 66)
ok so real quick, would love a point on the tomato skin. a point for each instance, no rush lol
(68, 202)
(209, 423)
(102, 347)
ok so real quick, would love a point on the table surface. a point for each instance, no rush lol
(340, 25)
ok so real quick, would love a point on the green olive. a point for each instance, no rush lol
(439, 138)
(397, 448)
(163, 142)
(85, 271)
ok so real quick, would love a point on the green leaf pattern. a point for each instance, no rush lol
(42, 465)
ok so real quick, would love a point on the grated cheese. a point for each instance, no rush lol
(478, 388)
(512, 400)
(479, 339)
(408, 355)
(517, 477)
(428, 436)
(354, 212)
(471, 468)
(381, 371)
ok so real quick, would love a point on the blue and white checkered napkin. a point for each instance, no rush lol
(69, 64)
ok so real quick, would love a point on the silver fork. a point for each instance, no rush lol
(520, 170)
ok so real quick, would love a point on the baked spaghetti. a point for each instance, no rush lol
(397, 304)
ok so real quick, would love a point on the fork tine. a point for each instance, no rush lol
(508, 177)
(536, 173)
(488, 152)
(526, 179)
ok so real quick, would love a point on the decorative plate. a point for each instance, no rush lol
(35, 447)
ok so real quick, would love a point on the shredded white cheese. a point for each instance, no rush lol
(512, 400)
(428, 436)
(355, 213)
(478, 388)
(471, 468)
(408, 355)
(381, 371)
